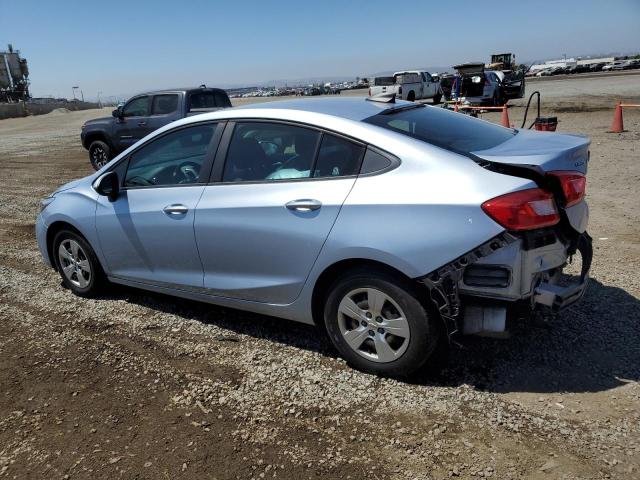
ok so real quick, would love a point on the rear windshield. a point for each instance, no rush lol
(208, 99)
(383, 81)
(456, 132)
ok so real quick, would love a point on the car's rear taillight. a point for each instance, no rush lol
(523, 210)
(574, 185)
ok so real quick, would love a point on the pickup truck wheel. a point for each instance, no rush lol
(437, 98)
(99, 154)
(378, 324)
(412, 96)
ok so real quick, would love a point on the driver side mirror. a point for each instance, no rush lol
(108, 185)
(117, 113)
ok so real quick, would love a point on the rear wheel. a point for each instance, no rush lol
(378, 325)
(437, 98)
(99, 154)
(77, 264)
(412, 96)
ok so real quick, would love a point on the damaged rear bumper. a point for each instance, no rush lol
(474, 292)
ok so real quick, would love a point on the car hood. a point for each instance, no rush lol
(98, 121)
(544, 151)
(76, 183)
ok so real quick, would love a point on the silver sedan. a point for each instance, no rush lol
(392, 225)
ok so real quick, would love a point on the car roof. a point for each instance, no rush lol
(355, 108)
(177, 90)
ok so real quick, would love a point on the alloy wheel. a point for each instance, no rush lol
(373, 325)
(99, 157)
(74, 263)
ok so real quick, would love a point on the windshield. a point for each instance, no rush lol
(456, 132)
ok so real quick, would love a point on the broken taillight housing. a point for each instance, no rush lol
(573, 185)
(523, 210)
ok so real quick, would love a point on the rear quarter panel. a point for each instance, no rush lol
(419, 216)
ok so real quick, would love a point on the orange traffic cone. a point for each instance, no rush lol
(617, 126)
(505, 117)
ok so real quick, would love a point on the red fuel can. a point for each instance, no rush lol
(546, 124)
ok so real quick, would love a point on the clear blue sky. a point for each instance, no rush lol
(121, 47)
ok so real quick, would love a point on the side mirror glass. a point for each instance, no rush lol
(108, 185)
(117, 113)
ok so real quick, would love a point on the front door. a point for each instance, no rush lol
(261, 228)
(133, 123)
(146, 234)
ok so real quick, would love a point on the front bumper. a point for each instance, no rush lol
(41, 237)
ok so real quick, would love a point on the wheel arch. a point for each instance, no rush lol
(339, 268)
(53, 230)
(91, 137)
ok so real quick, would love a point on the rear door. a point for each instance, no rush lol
(165, 108)
(513, 85)
(276, 193)
(133, 124)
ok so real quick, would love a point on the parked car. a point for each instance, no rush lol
(474, 85)
(142, 114)
(617, 65)
(410, 85)
(394, 225)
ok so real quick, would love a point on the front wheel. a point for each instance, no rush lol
(99, 154)
(77, 264)
(378, 325)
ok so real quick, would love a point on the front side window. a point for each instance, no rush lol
(270, 151)
(138, 107)
(164, 104)
(451, 131)
(173, 159)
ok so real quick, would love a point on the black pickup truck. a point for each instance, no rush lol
(142, 114)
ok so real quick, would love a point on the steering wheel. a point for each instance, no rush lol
(190, 172)
(139, 181)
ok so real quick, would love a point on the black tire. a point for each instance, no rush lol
(99, 154)
(411, 97)
(425, 333)
(95, 281)
(437, 98)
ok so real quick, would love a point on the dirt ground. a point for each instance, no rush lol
(140, 385)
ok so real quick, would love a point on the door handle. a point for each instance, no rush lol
(304, 205)
(175, 209)
(142, 124)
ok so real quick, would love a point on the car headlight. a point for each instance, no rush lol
(45, 202)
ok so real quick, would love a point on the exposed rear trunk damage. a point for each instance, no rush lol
(474, 291)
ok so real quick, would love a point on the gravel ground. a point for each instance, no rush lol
(139, 385)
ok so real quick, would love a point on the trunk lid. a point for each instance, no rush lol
(541, 152)
(532, 155)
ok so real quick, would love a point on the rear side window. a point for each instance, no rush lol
(452, 131)
(208, 99)
(264, 151)
(337, 157)
(164, 104)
